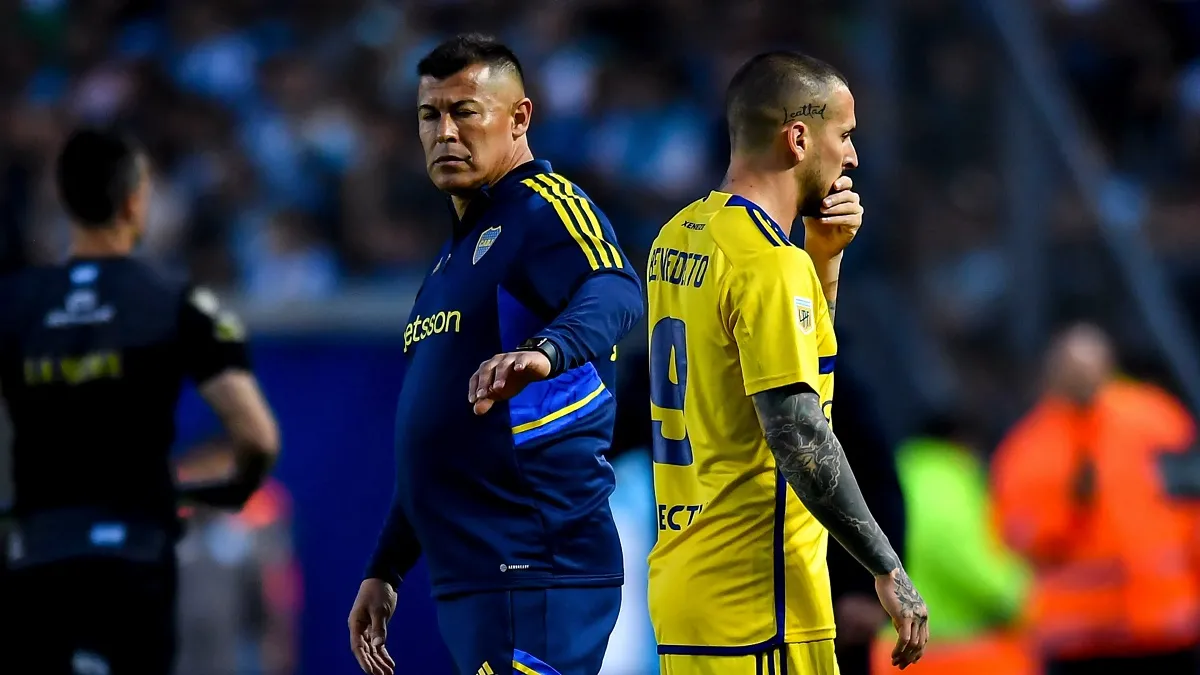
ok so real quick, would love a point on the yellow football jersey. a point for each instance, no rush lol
(735, 309)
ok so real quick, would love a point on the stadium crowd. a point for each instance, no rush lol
(288, 162)
(288, 165)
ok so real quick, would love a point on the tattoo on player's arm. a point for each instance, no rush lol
(832, 309)
(811, 459)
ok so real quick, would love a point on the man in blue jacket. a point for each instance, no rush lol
(501, 479)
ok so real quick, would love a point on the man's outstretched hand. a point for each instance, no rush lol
(504, 376)
(368, 622)
(909, 615)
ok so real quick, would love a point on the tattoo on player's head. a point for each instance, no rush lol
(806, 110)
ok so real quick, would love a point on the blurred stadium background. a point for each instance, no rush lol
(1025, 163)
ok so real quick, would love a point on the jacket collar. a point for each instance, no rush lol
(488, 194)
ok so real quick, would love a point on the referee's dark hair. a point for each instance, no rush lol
(469, 49)
(767, 87)
(97, 171)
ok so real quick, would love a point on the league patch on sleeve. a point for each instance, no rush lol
(804, 314)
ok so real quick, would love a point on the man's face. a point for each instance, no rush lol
(1079, 364)
(830, 150)
(469, 124)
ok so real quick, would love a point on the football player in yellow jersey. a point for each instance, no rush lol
(742, 354)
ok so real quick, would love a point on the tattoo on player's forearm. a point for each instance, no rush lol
(811, 459)
(832, 309)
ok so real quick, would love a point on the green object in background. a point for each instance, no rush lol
(971, 583)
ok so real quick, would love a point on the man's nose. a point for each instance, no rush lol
(851, 161)
(447, 130)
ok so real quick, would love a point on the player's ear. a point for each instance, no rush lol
(797, 140)
(522, 115)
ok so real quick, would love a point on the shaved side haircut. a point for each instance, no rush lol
(773, 89)
(469, 49)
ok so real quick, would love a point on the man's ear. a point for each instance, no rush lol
(797, 139)
(522, 115)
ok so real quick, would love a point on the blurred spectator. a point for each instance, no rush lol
(1083, 488)
(971, 582)
(239, 586)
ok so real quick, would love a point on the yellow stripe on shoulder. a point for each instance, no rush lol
(579, 218)
(568, 219)
(607, 247)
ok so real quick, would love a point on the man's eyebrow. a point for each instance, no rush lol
(457, 104)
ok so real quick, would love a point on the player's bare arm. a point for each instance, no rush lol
(239, 403)
(812, 461)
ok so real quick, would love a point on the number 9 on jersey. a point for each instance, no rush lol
(668, 387)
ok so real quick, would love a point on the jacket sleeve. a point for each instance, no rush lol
(396, 550)
(576, 270)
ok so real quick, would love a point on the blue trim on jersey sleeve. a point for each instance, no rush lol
(826, 364)
(527, 664)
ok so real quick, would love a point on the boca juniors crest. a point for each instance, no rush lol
(485, 242)
(804, 313)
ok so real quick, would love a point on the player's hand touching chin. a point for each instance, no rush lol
(504, 376)
(841, 216)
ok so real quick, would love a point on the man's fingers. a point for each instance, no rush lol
(386, 659)
(843, 183)
(914, 647)
(473, 386)
(483, 405)
(841, 209)
(362, 652)
(502, 372)
(377, 644)
(843, 197)
(904, 633)
(481, 381)
(853, 221)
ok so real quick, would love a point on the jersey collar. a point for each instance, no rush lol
(490, 193)
(738, 200)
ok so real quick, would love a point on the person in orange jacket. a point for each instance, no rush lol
(1083, 488)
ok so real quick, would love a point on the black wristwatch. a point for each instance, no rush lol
(545, 346)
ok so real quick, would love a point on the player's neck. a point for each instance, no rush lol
(775, 192)
(520, 155)
(111, 242)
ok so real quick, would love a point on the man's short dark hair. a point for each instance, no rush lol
(769, 88)
(465, 50)
(97, 171)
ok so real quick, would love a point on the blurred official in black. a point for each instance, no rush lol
(93, 355)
